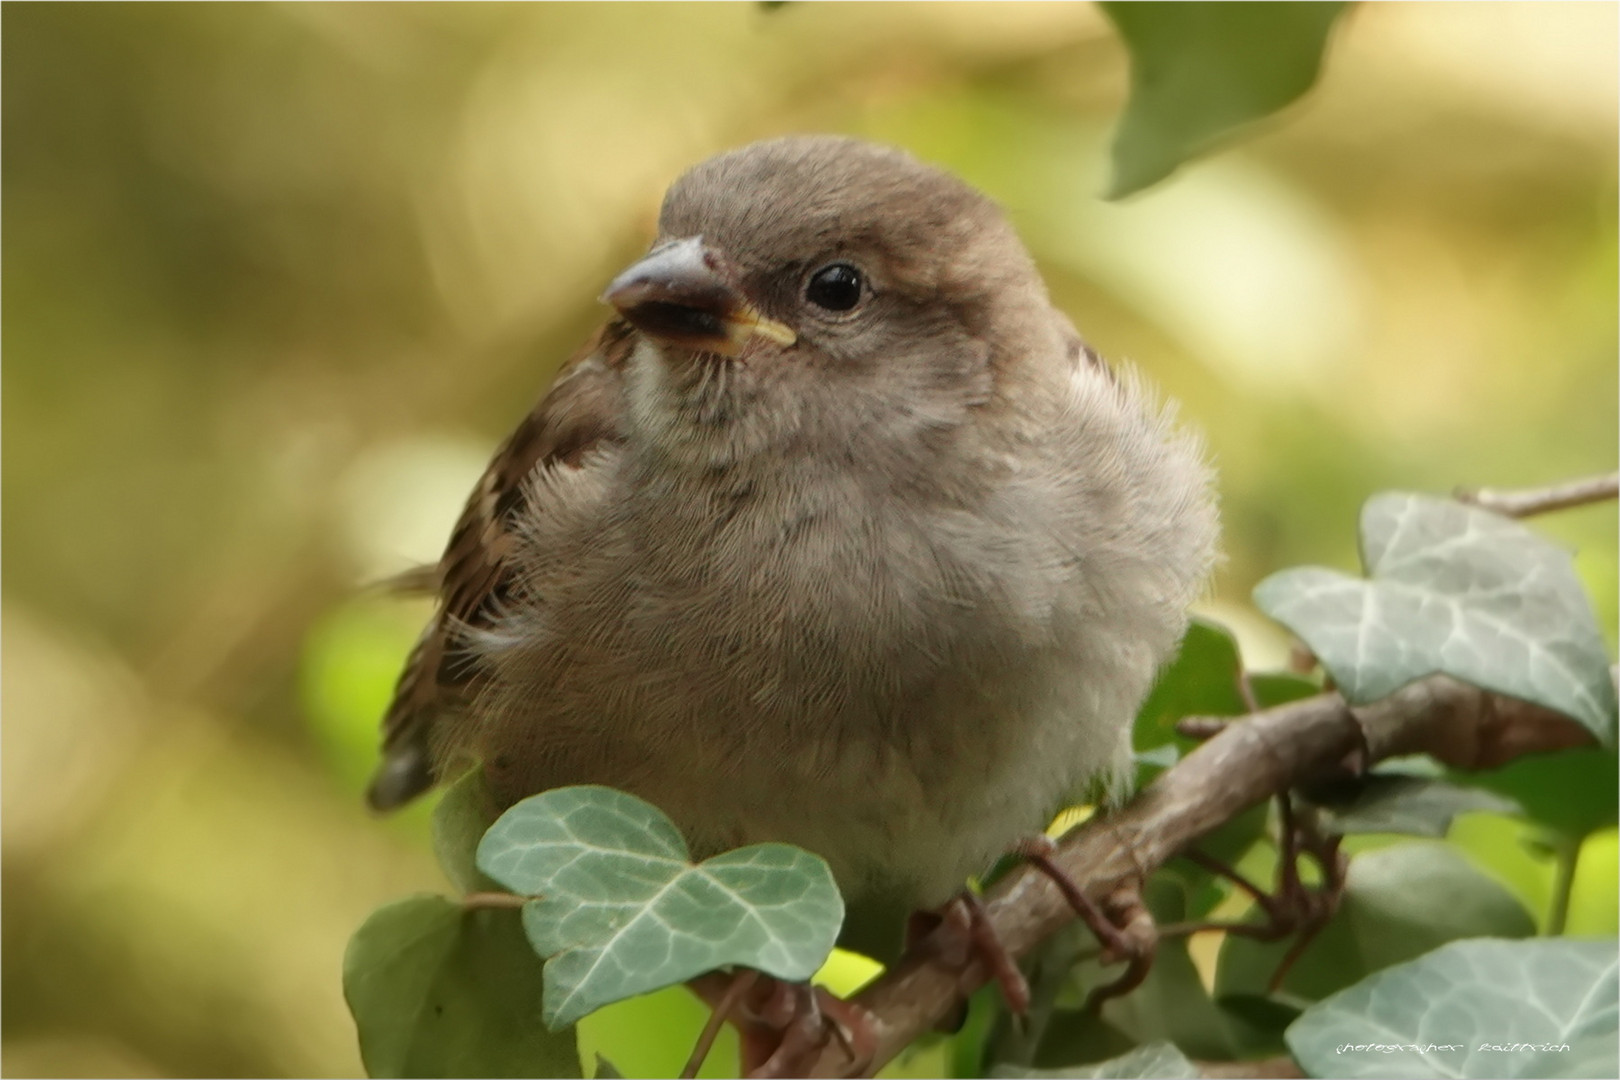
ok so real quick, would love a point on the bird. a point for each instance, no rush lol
(836, 533)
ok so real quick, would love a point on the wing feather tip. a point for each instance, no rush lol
(404, 774)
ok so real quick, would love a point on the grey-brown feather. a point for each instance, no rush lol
(474, 575)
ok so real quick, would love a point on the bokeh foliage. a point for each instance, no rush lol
(276, 279)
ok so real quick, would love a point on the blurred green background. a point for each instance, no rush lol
(278, 277)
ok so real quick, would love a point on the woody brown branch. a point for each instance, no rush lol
(1245, 764)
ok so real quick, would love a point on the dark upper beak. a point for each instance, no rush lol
(679, 295)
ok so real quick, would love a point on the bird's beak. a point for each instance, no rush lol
(679, 295)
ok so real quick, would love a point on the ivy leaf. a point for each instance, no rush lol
(1452, 590)
(1273, 688)
(1591, 1056)
(1200, 71)
(1573, 792)
(1447, 1010)
(1204, 679)
(1160, 1059)
(1201, 681)
(1158, 759)
(438, 990)
(621, 910)
(464, 812)
(1414, 805)
(1232, 839)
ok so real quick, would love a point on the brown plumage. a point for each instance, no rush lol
(838, 535)
(474, 574)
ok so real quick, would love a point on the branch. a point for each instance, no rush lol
(1528, 502)
(1246, 763)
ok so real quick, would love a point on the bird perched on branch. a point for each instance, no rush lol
(836, 534)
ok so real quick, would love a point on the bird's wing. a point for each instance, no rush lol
(582, 410)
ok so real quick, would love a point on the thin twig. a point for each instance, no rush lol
(1569, 853)
(1202, 727)
(1276, 1068)
(1288, 847)
(1246, 691)
(740, 985)
(1527, 502)
(1291, 957)
(483, 900)
(1258, 931)
(1220, 869)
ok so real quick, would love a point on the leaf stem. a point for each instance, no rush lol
(478, 900)
(1567, 850)
(741, 983)
(1530, 501)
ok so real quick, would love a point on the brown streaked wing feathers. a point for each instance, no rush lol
(582, 410)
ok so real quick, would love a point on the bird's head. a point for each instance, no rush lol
(814, 288)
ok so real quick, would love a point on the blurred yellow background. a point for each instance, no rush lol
(278, 277)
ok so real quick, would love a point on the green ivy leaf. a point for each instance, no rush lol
(464, 812)
(1204, 680)
(1465, 998)
(1399, 902)
(1201, 681)
(1273, 688)
(1232, 839)
(438, 990)
(1157, 759)
(1160, 1059)
(1588, 1056)
(1201, 71)
(1413, 805)
(1268, 1015)
(1573, 792)
(1456, 590)
(621, 910)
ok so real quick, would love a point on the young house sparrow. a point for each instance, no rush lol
(837, 534)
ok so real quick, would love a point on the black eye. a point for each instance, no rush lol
(836, 287)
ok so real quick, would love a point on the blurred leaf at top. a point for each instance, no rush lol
(1200, 71)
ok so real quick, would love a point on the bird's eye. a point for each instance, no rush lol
(836, 287)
